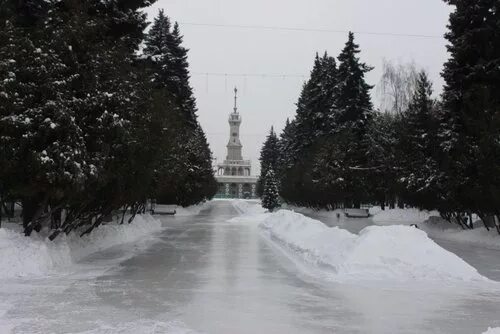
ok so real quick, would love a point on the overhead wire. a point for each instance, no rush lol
(317, 30)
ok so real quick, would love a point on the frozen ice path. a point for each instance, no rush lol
(205, 275)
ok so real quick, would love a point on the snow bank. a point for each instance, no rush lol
(248, 207)
(110, 235)
(143, 326)
(400, 216)
(428, 221)
(23, 256)
(191, 210)
(438, 228)
(394, 253)
(492, 331)
(36, 255)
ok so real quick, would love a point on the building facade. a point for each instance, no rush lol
(234, 174)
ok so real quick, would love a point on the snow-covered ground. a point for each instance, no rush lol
(437, 227)
(430, 222)
(493, 331)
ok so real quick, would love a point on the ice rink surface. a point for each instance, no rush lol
(204, 274)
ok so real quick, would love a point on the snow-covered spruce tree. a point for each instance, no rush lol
(354, 105)
(184, 175)
(285, 141)
(418, 147)
(471, 111)
(286, 160)
(384, 159)
(73, 137)
(270, 197)
(43, 149)
(315, 108)
(111, 102)
(269, 155)
(314, 119)
(352, 118)
(157, 47)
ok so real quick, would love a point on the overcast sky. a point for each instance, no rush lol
(267, 101)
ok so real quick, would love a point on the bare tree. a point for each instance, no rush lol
(397, 85)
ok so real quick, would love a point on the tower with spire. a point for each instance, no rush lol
(234, 174)
(234, 146)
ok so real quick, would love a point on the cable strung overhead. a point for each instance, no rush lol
(277, 28)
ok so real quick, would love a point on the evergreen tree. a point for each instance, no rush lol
(353, 95)
(184, 175)
(418, 142)
(74, 135)
(270, 198)
(471, 111)
(317, 103)
(42, 143)
(348, 170)
(286, 142)
(157, 42)
(384, 159)
(269, 156)
(315, 118)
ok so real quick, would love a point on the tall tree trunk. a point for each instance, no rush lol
(55, 221)
(30, 206)
(483, 219)
(497, 223)
(33, 208)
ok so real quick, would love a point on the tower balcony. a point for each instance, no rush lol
(236, 118)
(236, 163)
(235, 168)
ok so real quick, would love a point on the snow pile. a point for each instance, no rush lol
(110, 235)
(492, 331)
(36, 255)
(400, 216)
(143, 326)
(191, 210)
(394, 253)
(23, 256)
(250, 207)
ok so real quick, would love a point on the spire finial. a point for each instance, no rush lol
(235, 100)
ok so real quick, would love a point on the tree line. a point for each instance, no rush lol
(95, 114)
(432, 153)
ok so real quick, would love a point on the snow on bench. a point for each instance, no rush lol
(357, 213)
(163, 209)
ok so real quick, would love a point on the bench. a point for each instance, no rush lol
(357, 213)
(163, 209)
